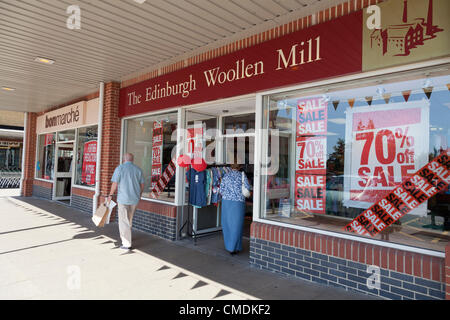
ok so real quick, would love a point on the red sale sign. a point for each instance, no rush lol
(311, 155)
(411, 194)
(89, 163)
(385, 145)
(311, 117)
(157, 148)
(310, 193)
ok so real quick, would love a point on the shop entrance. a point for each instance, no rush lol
(222, 134)
(62, 189)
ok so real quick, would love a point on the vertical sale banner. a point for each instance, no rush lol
(385, 145)
(157, 148)
(311, 155)
(89, 163)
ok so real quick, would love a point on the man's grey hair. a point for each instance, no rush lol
(128, 157)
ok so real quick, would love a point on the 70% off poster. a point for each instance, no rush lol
(385, 145)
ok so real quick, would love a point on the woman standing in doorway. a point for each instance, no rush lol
(233, 208)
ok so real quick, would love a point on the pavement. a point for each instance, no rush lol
(51, 251)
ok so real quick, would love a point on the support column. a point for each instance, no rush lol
(110, 156)
(30, 155)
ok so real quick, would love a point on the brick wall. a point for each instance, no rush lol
(82, 200)
(343, 263)
(30, 155)
(42, 189)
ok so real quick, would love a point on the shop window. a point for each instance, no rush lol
(152, 141)
(339, 151)
(243, 123)
(45, 156)
(86, 162)
(65, 136)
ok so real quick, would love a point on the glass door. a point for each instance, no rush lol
(64, 170)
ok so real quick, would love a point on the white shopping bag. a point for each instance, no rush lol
(110, 206)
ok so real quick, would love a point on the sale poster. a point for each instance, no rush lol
(89, 163)
(310, 193)
(405, 198)
(311, 117)
(157, 149)
(385, 145)
(311, 155)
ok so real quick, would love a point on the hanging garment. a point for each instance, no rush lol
(197, 181)
(208, 186)
(233, 213)
(215, 194)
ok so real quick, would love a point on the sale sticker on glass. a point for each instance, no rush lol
(385, 145)
(310, 193)
(311, 155)
(412, 193)
(311, 117)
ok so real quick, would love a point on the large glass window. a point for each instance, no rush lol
(46, 156)
(152, 141)
(86, 156)
(336, 151)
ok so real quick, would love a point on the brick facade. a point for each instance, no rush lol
(344, 263)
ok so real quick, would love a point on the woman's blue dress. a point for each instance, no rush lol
(233, 209)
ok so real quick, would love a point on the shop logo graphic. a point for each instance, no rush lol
(398, 40)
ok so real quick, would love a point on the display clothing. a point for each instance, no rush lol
(197, 187)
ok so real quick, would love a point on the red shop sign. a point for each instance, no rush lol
(322, 51)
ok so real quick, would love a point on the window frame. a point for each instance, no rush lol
(123, 139)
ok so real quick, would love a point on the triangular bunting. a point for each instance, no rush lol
(369, 100)
(406, 94)
(335, 104)
(428, 91)
(448, 86)
(387, 97)
(351, 102)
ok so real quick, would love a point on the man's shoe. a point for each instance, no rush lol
(125, 248)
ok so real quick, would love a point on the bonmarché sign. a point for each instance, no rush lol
(69, 117)
(66, 118)
(325, 50)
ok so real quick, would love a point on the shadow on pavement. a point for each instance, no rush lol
(234, 272)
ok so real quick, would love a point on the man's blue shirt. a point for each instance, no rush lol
(129, 177)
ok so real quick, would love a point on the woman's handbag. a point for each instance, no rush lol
(245, 191)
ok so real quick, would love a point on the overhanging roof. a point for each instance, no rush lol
(117, 38)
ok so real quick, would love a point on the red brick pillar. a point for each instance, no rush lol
(30, 155)
(110, 157)
(447, 272)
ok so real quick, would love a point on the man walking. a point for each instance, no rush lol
(128, 179)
